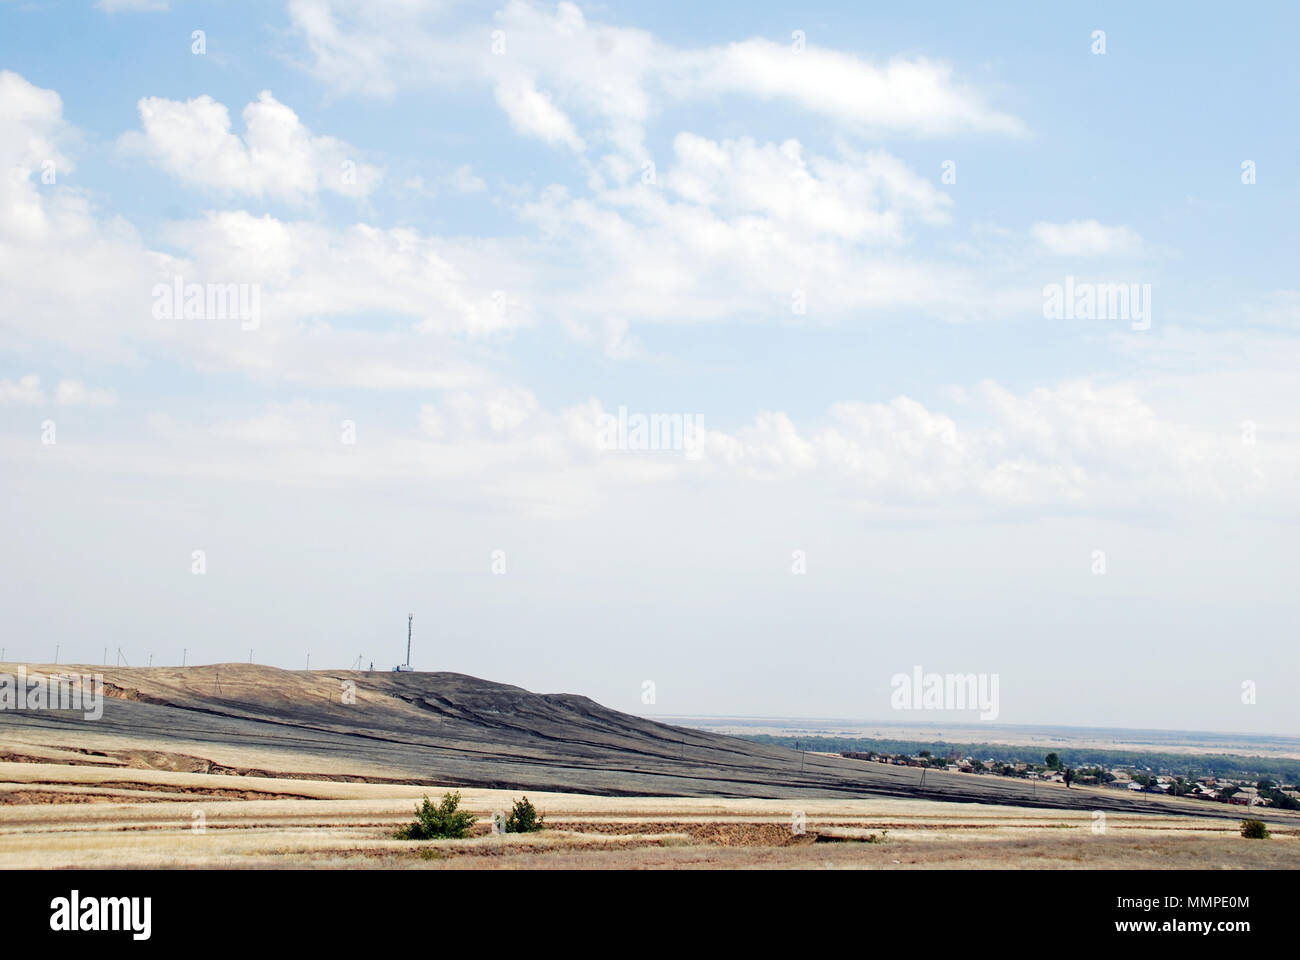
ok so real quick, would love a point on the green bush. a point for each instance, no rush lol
(1254, 830)
(524, 818)
(443, 822)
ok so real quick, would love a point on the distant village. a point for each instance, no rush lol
(1239, 792)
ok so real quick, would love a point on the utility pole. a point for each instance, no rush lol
(410, 619)
(184, 652)
(308, 661)
(56, 653)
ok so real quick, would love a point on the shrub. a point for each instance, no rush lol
(443, 822)
(524, 818)
(1254, 830)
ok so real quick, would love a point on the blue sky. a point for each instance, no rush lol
(619, 206)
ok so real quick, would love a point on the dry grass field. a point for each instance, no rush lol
(248, 767)
(91, 815)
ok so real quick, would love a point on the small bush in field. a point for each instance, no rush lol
(443, 822)
(524, 818)
(1254, 830)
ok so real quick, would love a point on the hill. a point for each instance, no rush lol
(447, 728)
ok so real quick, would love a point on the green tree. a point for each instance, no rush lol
(1053, 762)
(524, 818)
(1254, 830)
(443, 822)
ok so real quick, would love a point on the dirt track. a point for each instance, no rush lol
(445, 728)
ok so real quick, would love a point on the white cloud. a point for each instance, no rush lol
(25, 391)
(428, 291)
(307, 270)
(277, 157)
(738, 229)
(917, 96)
(65, 275)
(558, 65)
(1047, 451)
(533, 113)
(1085, 238)
(72, 393)
(735, 229)
(853, 198)
(31, 129)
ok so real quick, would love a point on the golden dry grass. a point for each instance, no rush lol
(90, 815)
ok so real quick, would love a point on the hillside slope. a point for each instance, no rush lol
(447, 728)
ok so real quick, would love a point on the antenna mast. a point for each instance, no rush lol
(410, 619)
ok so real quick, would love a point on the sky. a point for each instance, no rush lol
(972, 332)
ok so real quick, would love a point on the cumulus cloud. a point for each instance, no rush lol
(853, 197)
(427, 291)
(555, 64)
(277, 156)
(737, 228)
(917, 96)
(1050, 451)
(25, 391)
(66, 274)
(1085, 238)
(309, 270)
(534, 114)
(1052, 448)
(31, 134)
